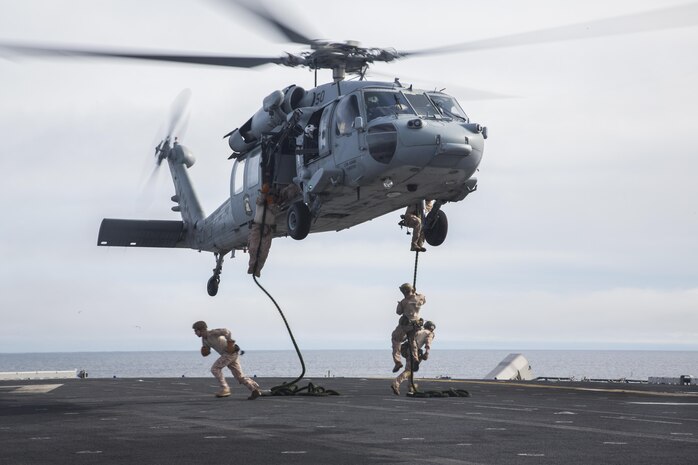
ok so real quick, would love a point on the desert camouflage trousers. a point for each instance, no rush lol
(415, 222)
(253, 244)
(233, 363)
(398, 337)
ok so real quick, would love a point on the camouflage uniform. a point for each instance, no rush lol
(413, 219)
(409, 321)
(422, 338)
(217, 339)
(266, 231)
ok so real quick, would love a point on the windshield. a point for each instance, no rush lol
(448, 106)
(422, 105)
(385, 103)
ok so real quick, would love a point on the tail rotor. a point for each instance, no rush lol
(176, 126)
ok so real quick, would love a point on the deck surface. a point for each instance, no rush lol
(179, 421)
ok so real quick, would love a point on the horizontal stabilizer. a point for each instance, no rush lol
(140, 233)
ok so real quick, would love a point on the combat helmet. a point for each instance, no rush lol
(407, 287)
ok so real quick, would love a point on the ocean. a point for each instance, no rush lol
(459, 364)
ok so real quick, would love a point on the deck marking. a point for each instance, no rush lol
(572, 388)
(31, 388)
(529, 454)
(522, 409)
(664, 403)
(643, 420)
(540, 424)
(89, 452)
(294, 452)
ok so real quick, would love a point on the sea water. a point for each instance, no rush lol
(461, 364)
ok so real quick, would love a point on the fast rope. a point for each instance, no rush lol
(416, 262)
(290, 388)
(414, 391)
(447, 393)
(411, 334)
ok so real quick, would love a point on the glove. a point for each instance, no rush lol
(230, 348)
(205, 351)
(425, 355)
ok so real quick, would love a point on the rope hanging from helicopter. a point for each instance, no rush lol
(413, 365)
(288, 388)
(416, 263)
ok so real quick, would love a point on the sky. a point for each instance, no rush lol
(581, 235)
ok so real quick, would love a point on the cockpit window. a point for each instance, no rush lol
(324, 131)
(385, 103)
(422, 105)
(448, 106)
(346, 113)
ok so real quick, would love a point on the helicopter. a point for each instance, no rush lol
(356, 150)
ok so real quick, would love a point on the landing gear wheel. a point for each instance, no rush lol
(436, 234)
(298, 221)
(212, 286)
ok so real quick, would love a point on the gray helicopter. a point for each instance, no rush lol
(354, 150)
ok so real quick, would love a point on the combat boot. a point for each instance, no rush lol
(224, 392)
(396, 388)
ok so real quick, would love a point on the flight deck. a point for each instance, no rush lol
(179, 421)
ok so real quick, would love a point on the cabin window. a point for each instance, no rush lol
(385, 103)
(239, 177)
(347, 112)
(252, 171)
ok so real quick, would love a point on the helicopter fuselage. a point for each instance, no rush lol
(357, 150)
(366, 149)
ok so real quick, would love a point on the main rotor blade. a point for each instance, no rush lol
(665, 18)
(213, 60)
(464, 93)
(262, 12)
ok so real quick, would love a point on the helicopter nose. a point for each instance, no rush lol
(446, 145)
(462, 148)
